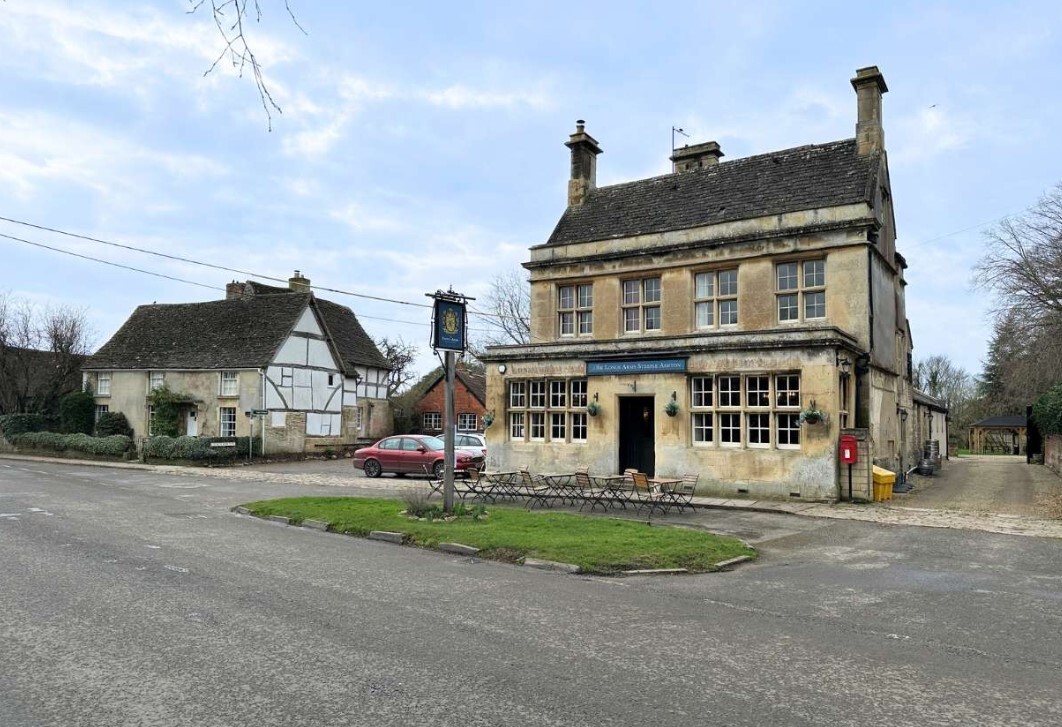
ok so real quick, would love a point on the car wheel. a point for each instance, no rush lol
(439, 469)
(372, 468)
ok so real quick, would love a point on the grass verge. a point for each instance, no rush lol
(595, 544)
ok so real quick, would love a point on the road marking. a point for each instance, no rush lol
(154, 547)
(175, 568)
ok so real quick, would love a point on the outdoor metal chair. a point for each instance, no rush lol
(435, 483)
(681, 495)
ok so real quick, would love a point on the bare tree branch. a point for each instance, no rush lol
(401, 356)
(507, 310)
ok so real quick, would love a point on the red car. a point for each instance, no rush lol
(410, 453)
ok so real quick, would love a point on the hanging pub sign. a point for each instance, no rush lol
(448, 331)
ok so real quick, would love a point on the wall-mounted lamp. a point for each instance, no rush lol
(674, 396)
(595, 396)
(845, 365)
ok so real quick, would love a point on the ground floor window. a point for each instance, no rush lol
(227, 419)
(548, 410)
(745, 410)
(102, 409)
(467, 422)
(432, 421)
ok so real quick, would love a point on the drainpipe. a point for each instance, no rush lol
(261, 427)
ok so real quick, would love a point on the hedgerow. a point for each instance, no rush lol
(112, 446)
(1047, 411)
(11, 425)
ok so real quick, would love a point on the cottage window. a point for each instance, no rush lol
(752, 410)
(575, 316)
(432, 421)
(641, 305)
(801, 290)
(467, 422)
(715, 298)
(554, 410)
(227, 417)
(230, 383)
(151, 421)
(103, 383)
(358, 418)
(101, 409)
(156, 380)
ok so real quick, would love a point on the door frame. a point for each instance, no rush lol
(636, 433)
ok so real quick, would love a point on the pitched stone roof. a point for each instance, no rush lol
(804, 178)
(242, 332)
(238, 333)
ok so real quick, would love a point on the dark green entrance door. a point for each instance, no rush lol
(637, 445)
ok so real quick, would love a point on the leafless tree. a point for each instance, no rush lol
(506, 310)
(401, 356)
(41, 352)
(1023, 264)
(939, 377)
(231, 17)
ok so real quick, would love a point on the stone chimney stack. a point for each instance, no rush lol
(233, 290)
(584, 164)
(298, 284)
(697, 156)
(869, 85)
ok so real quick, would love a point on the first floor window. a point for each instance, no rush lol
(467, 422)
(801, 290)
(157, 380)
(228, 421)
(230, 383)
(103, 383)
(575, 310)
(432, 421)
(101, 409)
(641, 305)
(715, 298)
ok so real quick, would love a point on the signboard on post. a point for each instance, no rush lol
(448, 333)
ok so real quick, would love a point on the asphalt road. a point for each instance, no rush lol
(134, 598)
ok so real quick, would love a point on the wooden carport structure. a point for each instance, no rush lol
(999, 435)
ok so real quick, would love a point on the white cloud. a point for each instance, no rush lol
(928, 133)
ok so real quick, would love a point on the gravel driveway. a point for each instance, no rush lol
(985, 484)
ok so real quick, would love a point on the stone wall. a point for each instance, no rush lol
(1053, 452)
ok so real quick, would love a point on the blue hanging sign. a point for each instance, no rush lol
(636, 366)
(448, 332)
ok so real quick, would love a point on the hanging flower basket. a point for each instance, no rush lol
(671, 408)
(488, 419)
(593, 409)
(814, 415)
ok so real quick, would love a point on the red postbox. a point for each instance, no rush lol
(849, 449)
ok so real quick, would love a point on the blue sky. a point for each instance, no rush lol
(421, 144)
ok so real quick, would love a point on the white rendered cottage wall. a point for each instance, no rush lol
(304, 377)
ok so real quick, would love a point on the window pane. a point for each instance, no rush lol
(567, 324)
(759, 429)
(579, 393)
(558, 426)
(815, 305)
(729, 391)
(702, 428)
(631, 292)
(701, 393)
(538, 394)
(814, 273)
(758, 390)
(652, 318)
(566, 297)
(516, 425)
(788, 430)
(787, 276)
(586, 296)
(630, 320)
(586, 322)
(558, 394)
(788, 390)
(517, 394)
(228, 421)
(537, 425)
(787, 308)
(578, 427)
(704, 284)
(652, 290)
(730, 429)
(704, 314)
(728, 312)
(728, 282)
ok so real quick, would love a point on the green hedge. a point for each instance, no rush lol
(113, 422)
(11, 425)
(198, 448)
(1047, 411)
(113, 446)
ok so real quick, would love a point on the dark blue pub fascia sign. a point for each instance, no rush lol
(636, 366)
(449, 325)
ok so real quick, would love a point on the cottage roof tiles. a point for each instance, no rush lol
(792, 180)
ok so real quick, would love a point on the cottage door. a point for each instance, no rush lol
(191, 424)
(637, 443)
